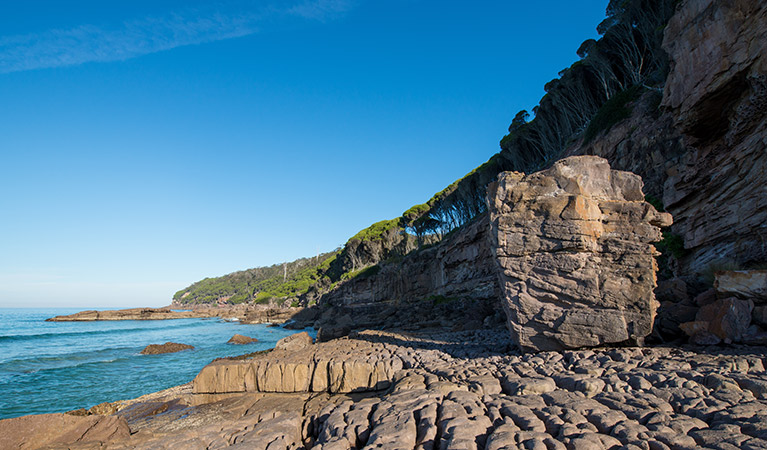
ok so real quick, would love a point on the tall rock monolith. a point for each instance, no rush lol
(573, 248)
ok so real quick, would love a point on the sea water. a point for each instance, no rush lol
(50, 367)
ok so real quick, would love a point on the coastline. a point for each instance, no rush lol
(446, 389)
(241, 313)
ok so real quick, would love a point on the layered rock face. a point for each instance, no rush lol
(704, 152)
(403, 292)
(340, 366)
(573, 245)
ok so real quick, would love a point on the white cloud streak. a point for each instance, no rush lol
(130, 39)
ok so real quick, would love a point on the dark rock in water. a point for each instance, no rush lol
(168, 347)
(240, 339)
(573, 246)
(294, 342)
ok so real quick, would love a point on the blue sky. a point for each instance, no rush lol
(145, 145)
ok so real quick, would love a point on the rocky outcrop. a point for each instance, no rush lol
(420, 288)
(239, 339)
(168, 347)
(139, 314)
(704, 151)
(573, 244)
(339, 366)
(61, 431)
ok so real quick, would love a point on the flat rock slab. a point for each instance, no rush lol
(54, 430)
(339, 366)
(573, 247)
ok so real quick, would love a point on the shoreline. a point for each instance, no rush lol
(397, 389)
(250, 314)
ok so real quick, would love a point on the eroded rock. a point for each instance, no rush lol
(573, 245)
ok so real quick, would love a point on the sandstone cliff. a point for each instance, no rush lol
(703, 152)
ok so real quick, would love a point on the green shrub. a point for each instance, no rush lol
(613, 111)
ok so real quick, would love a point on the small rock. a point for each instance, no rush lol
(240, 339)
(168, 347)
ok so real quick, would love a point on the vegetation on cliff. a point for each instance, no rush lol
(260, 284)
(587, 99)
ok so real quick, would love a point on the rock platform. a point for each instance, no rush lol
(468, 390)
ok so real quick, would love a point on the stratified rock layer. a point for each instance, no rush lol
(573, 244)
(340, 366)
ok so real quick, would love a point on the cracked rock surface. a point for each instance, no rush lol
(465, 390)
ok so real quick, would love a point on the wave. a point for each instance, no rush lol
(29, 337)
(30, 365)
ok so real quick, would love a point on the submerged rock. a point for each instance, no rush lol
(573, 245)
(168, 347)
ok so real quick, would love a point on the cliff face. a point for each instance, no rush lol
(459, 266)
(452, 283)
(703, 152)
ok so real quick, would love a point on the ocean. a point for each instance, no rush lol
(48, 367)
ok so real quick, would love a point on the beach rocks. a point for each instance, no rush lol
(294, 342)
(573, 248)
(61, 431)
(240, 340)
(454, 390)
(168, 347)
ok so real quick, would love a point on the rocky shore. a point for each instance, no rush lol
(241, 313)
(440, 390)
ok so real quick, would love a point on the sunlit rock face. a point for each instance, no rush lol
(573, 248)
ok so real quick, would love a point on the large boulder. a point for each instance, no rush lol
(573, 245)
(748, 284)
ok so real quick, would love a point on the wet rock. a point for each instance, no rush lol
(240, 339)
(573, 248)
(168, 347)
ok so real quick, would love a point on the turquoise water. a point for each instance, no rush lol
(59, 366)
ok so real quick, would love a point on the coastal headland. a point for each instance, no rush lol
(520, 307)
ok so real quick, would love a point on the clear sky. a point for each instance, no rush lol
(147, 144)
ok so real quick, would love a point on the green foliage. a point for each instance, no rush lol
(439, 299)
(613, 111)
(655, 202)
(362, 273)
(671, 245)
(376, 231)
(259, 285)
(708, 275)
